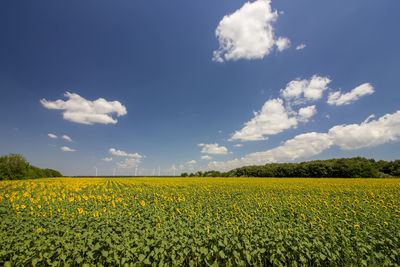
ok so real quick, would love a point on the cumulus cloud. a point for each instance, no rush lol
(301, 91)
(304, 145)
(238, 145)
(52, 136)
(301, 146)
(282, 43)
(80, 110)
(213, 149)
(278, 115)
(128, 163)
(338, 99)
(207, 157)
(67, 138)
(369, 133)
(225, 165)
(121, 153)
(107, 159)
(67, 149)
(306, 113)
(248, 33)
(191, 162)
(131, 159)
(273, 118)
(300, 46)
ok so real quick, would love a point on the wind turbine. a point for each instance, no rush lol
(136, 171)
(159, 171)
(96, 170)
(114, 172)
(154, 172)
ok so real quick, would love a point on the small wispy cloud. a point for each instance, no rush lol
(338, 98)
(213, 149)
(67, 138)
(52, 136)
(67, 149)
(300, 46)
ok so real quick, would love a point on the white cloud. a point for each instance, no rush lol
(301, 146)
(128, 163)
(132, 159)
(370, 117)
(121, 153)
(369, 133)
(238, 145)
(301, 91)
(272, 119)
(248, 33)
(306, 113)
(304, 145)
(191, 162)
(275, 117)
(67, 138)
(174, 170)
(67, 149)
(107, 159)
(225, 165)
(338, 99)
(213, 149)
(52, 135)
(300, 46)
(78, 109)
(282, 43)
(206, 157)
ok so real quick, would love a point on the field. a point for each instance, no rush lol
(200, 221)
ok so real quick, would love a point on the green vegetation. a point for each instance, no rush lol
(200, 222)
(357, 167)
(15, 167)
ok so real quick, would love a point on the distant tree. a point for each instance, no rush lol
(395, 170)
(340, 168)
(15, 167)
(184, 174)
(212, 174)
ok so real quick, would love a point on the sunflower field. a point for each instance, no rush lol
(200, 222)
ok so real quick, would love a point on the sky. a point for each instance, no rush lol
(165, 87)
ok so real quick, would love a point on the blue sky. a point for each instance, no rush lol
(197, 85)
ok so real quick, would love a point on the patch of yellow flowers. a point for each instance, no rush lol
(234, 203)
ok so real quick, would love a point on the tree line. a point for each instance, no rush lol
(357, 167)
(15, 167)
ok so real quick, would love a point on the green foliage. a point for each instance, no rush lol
(15, 167)
(200, 222)
(357, 167)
